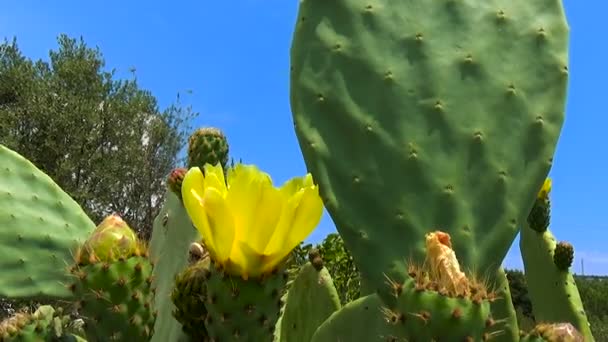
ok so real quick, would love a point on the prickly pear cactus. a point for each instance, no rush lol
(40, 227)
(113, 283)
(421, 115)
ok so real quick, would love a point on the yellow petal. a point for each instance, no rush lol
(294, 185)
(307, 217)
(245, 183)
(301, 216)
(266, 217)
(214, 178)
(192, 196)
(221, 223)
(251, 262)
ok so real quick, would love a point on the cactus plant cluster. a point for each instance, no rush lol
(428, 129)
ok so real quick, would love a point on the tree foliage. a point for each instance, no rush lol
(104, 141)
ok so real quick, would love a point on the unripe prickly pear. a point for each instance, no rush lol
(207, 146)
(557, 332)
(563, 255)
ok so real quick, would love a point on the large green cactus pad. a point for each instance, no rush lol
(40, 228)
(421, 115)
(173, 232)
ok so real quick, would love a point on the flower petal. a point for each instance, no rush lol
(214, 177)
(300, 217)
(221, 223)
(307, 217)
(245, 184)
(266, 217)
(192, 196)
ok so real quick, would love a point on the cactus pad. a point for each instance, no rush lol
(311, 299)
(40, 228)
(171, 238)
(421, 115)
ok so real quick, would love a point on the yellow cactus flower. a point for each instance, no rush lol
(250, 226)
(545, 190)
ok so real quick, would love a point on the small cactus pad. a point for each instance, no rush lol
(311, 299)
(420, 115)
(175, 179)
(243, 310)
(40, 228)
(207, 146)
(359, 320)
(171, 240)
(189, 296)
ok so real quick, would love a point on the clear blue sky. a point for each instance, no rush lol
(234, 55)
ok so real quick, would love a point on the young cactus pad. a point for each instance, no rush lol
(311, 299)
(40, 227)
(421, 115)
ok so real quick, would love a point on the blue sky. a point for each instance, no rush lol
(234, 56)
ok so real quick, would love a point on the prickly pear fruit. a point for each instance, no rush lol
(189, 296)
(439, 302)
(112, 280)
(174, 181)
(244, 310)
(207, 146)
(563, 256)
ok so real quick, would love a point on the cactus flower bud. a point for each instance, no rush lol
(175, 179)
(111, 240)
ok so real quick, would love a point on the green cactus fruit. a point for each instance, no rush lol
(189, 296)
(538, 219)
(243, 310)
(172, 236)
(439, 302)
(207, 146)
(46, 324)
(551, 288)
(311, 299)
(555, 332)
(174, 181)
(114, 286)
(563, 256)
(40, 227)
(359, 320)
(421, 115)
